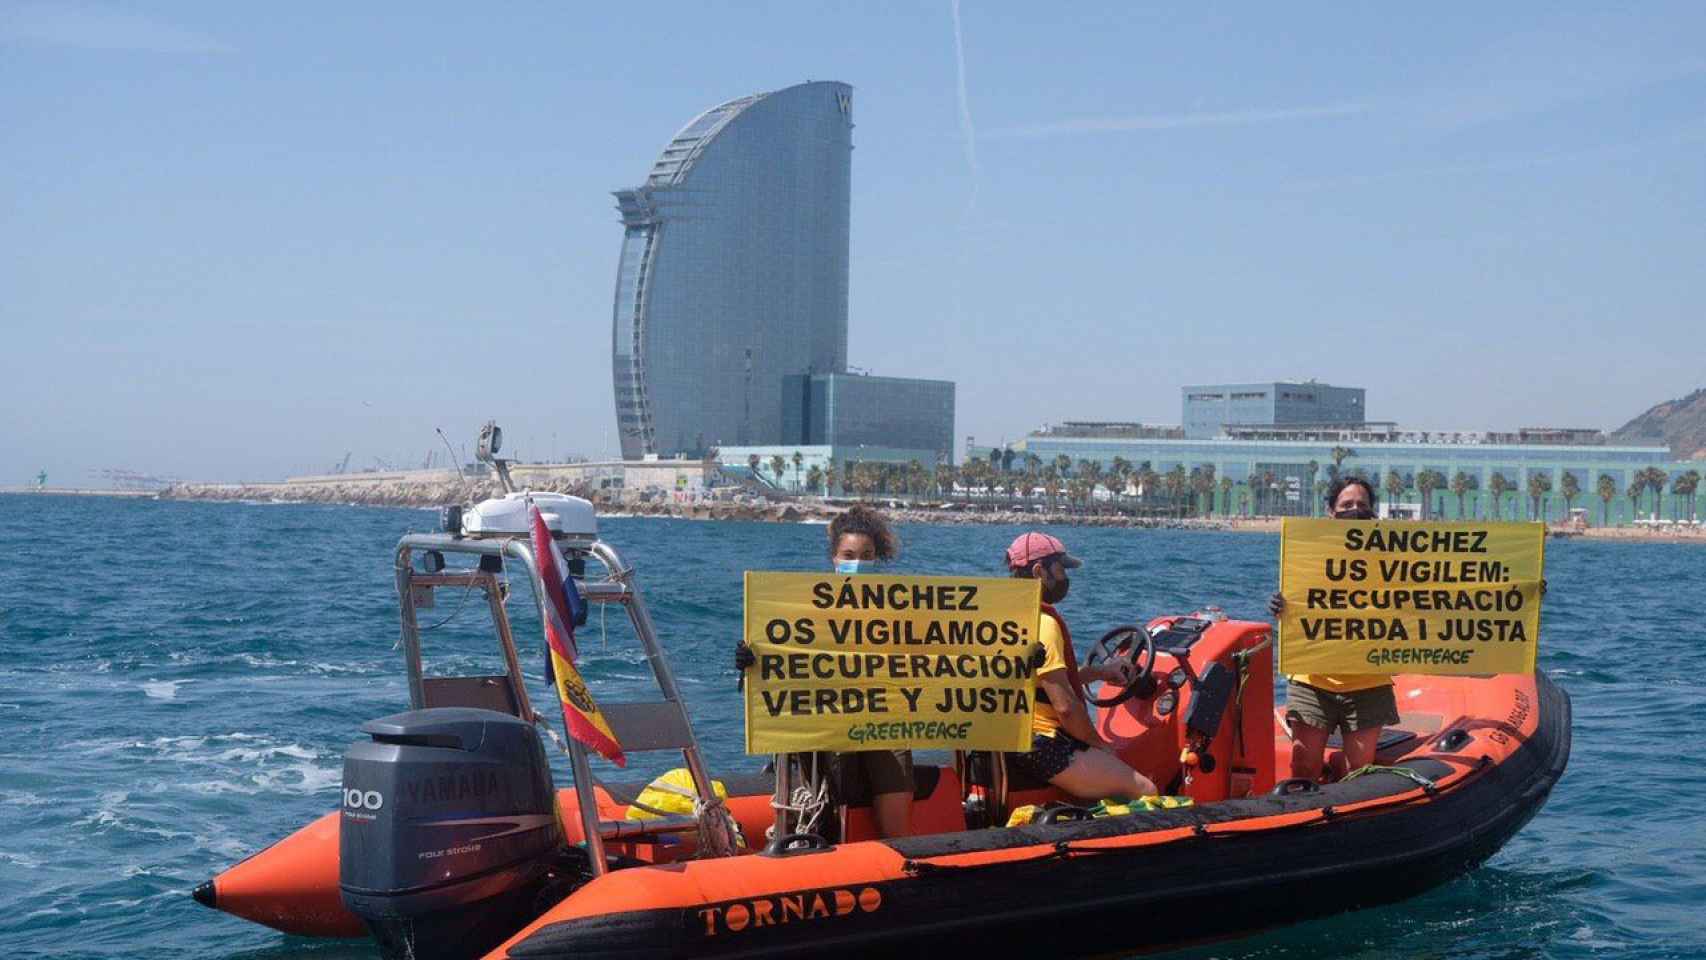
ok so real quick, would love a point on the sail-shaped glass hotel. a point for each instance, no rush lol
(733, 271)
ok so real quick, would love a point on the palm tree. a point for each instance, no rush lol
(1119, 470)
(1571, 488)
(829, 480)
(945, 480)
(1176, 484)
(1656, 479)
(799, 458)
(1606, 487)
(1092, 473)
(1690, 486)
(1063, 465)
(1340, 455)
(1226, 494)
(1394, 488)
(814, 477)
(1427, 481)
(1460, 485)
(1007, 455)
(1539, 484)
(778, 463)
(1497, 485)
(1636, 486)
(1320, 491)
(915, 478)
(1202, 484)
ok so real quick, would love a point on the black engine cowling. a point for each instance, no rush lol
(448, 831)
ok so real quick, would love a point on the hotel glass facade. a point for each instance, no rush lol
(733, 272)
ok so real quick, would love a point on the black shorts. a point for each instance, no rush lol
(861, 776)
(1049, 755)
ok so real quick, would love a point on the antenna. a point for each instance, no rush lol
(457, 464)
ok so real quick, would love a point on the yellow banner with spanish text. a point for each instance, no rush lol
(866, 662)
(1385, 597)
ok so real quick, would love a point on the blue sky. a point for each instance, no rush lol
(237, 240)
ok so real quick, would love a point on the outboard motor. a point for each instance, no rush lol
(448, 829)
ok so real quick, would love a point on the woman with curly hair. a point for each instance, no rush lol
(859, 539)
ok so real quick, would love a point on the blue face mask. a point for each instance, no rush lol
(855, 566)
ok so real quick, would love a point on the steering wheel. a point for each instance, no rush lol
(1133, 644)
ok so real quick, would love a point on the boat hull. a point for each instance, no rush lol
(1171, 877)
(1492, 747)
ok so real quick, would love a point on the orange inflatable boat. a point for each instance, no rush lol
(452, 842)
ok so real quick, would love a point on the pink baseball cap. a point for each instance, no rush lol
(1028, 548)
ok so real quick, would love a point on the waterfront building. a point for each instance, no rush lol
(734, 271)
(852, 410)
(1282, 466)
(1211, 409)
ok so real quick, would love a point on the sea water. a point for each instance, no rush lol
(178, 682)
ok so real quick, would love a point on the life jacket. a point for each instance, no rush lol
(1067, 652)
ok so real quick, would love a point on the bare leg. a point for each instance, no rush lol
(1097, 774)
(893, 812)
(1308, 744)
(1360, 746)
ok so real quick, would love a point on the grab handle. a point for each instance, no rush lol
(796, 844)
(1292, 786)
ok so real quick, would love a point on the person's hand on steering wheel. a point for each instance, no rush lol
(1125, 659)
(1119, 671)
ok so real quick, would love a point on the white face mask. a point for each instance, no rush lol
(855, 566)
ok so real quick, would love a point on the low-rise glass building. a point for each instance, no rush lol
(852, 410)
(1286, 476)
(1209, 409)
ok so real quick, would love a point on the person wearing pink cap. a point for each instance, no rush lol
(1065, 748)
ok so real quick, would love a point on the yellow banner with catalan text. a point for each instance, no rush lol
(1386, 597)
(867, 662)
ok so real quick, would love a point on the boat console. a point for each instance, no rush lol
(1203, 725)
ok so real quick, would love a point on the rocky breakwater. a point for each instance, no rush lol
(420, 488)
(440, 488)
(429, 488)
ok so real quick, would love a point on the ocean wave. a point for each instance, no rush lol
(163, 689)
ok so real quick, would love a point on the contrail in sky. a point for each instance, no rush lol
(966, 128)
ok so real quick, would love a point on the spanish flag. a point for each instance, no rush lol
(563, 609)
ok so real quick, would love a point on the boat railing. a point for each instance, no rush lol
(661, 724)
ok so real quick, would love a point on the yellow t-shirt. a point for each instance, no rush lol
(1045, 719)
(1341, 683)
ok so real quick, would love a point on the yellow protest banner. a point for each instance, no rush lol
(1384, 597)
(883, 663)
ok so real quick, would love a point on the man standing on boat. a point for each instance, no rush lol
(1065, 749)
(1317, 704)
